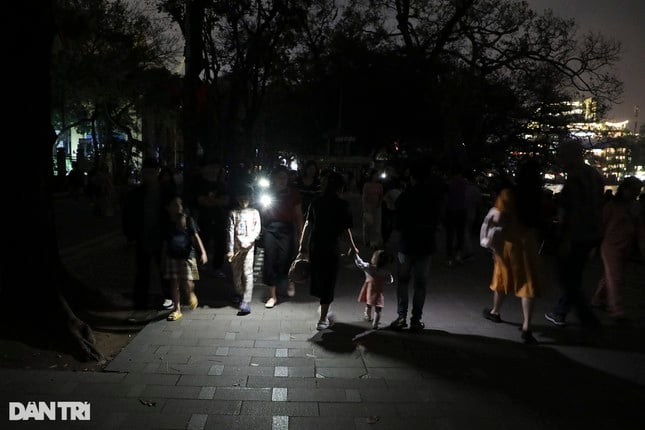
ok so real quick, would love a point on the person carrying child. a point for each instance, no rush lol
(376, 278)
(179, 255)
(244, 227)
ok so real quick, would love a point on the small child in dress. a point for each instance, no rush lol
(244, 227)
(376, 278)
(179, 249)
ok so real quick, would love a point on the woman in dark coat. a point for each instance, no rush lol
(328, 218)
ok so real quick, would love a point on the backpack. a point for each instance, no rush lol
(180, 243)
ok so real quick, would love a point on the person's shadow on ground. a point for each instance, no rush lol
(561, 392)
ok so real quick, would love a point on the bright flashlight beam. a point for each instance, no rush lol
(266, 200)
(263, 183)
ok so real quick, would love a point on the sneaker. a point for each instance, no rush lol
(175, 316)
(270, 303)
(192, 301)
(167, 304)
(245, 309)
(322, 325)
(376, 322)
(555, 318)
(528, 338)
(398, 324)
(417, 325)
(496, 318)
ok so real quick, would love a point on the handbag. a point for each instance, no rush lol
(300, 269)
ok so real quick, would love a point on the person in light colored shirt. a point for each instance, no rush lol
(244, 227)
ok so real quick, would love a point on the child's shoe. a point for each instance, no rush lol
(367, 315)
(174, 316)
(192, 301)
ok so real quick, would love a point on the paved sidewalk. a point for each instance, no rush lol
(272, 370)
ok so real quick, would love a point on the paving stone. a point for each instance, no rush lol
(317, 395)
(150, 379)
(94, 390)
(132, 421)
(212, 381)
(390, 395)
(403, 423)
(248, 371)
(237, 343)
(228, 407)
(300, 371)
(394, 373)
(181, 369)
(251, 352)
(351, 383)
(289, 409)
(339, 362)
(357, 409)
(279, 395)
(268, 335)
(145, 405)
(242, 393)
(283, 361)
(282, 343)
(197, 422)
(321, 423)
(220, 359)
(281, 382)
(233, 422)
(216, 370)
(206, 393)
(171, 391)
(280, 423)
(341, 372)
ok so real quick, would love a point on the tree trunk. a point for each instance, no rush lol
(32, 277)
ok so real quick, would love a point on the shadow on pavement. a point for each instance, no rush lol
(561, 392)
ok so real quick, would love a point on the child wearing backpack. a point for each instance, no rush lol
(179, 249)
(244, 227)
(376, 278)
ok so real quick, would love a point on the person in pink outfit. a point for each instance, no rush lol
(376, 278)
(622, 224)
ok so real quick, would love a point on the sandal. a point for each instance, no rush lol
(496, 318)
(192, 301)
(175, 316)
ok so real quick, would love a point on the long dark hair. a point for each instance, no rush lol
(528, 193)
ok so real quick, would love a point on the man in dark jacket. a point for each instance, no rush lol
(143, 224)
(417, 214)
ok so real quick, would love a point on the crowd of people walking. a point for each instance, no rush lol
(306, 217)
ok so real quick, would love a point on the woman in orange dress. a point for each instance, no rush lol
(513, 237)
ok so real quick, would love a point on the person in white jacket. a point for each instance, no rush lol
(244, 227)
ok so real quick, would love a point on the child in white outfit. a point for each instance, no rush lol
(376, 278)
(243, 229)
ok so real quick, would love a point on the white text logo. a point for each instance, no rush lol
(41, 411)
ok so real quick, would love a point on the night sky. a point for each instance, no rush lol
(623, 20)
